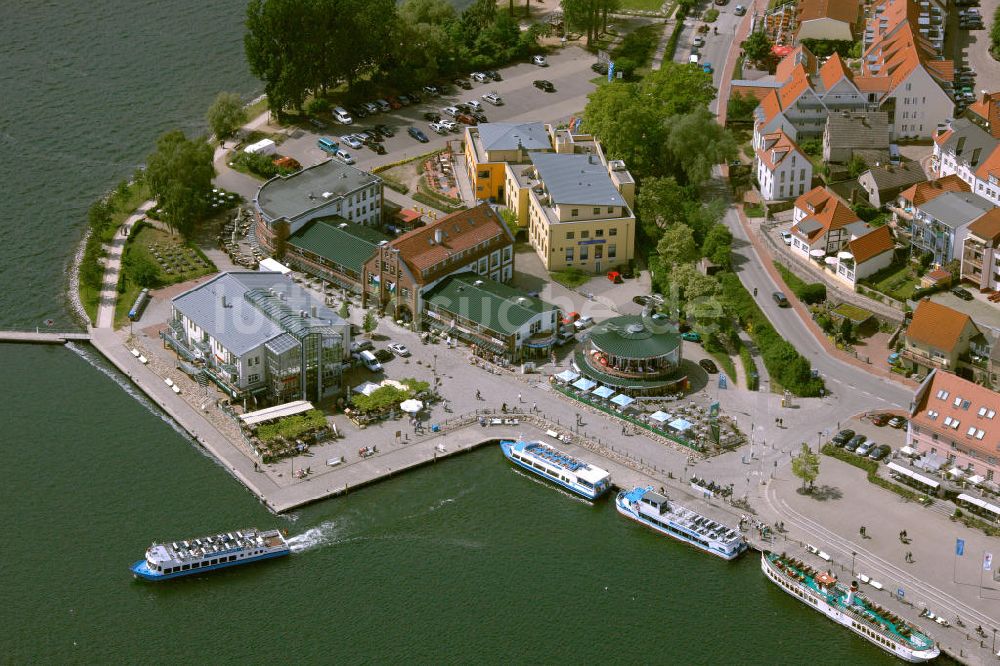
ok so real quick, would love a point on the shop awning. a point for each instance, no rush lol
(659, 416)
(680, 425)
(603, 392)
(584, 384)
(567, 376)
(366, 389)
(252, 419)
(623, 400)
(930, 483)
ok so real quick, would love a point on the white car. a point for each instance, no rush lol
(440, 127)
(699, 41)
(474, 105)
(481, 77)
(493, 98)
(399, 349)
(786, 238)
(450, 111)
(451, 125)
(351, 140)
(341, 115)
(539, 60)
(583, 322)
(344, 157)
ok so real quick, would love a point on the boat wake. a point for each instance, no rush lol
(314, 537)
(551, 486)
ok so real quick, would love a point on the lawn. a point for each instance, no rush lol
(571, 278)
(641, 5)
(900, 283)
(726, 363)
(174, 260)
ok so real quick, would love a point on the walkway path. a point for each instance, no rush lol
(661, 48)
(112, 267)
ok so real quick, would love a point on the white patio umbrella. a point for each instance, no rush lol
(411, 406)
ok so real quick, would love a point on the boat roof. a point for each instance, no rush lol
(583, 470)
(684, 516)
(209, 545)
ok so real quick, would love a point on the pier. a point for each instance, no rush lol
(43, 337)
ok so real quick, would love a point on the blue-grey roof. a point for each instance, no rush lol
(576, 179)
(955, 209)
(508, 136)
(296, 194)
(239, 311)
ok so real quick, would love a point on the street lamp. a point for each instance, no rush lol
(994, 650)
(853, 555)
(435, 364)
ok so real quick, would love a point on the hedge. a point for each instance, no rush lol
(807, 292)
(871, 467)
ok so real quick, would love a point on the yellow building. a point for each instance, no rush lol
(491, 146)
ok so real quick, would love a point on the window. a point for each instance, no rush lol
(612, 251)
(611, 209)
(584, 234)
(484, 173)
(613, 231)
(584, 253)
(599, 233)
(253, 378)
(802, 174)
(598, 251)
(574, 212)
(569, 255)
(597, 210)
(570, 235)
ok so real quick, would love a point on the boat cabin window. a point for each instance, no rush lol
(584, 483)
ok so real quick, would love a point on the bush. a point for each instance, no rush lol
(710, 15)
(871, 467)
(260, 165)
(317, 106)
(809, 293)
(292, 426)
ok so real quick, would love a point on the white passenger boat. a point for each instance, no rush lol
(569, 472)
(183, 558)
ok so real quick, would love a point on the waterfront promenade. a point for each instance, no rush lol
(42, 336)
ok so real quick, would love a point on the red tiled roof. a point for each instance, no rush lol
(871, 245)
(814, 197)
(799, 56)
(991, 165)
(459, 231)
(987, 227)
(829, 210)
(936, 325)
(777, 146)
(921, 193)
(794, 87)
(878, 84)
(899, 47)
(770, 105)
(987, 107)
(974, 422)
(847, 11)
(832, 71)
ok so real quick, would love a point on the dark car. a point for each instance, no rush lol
(414, 97)
(357, 111)
(879, 452)
(432, 116)
(462, 106)
(780, 299)
(479, 116)
(600, 67)
(367, 136)
(708, 366)
(842, 437)
(964, 294)
(417, 134)
(541, 84)
(854, 442)
(378, 147)
(463, 84)
(880, 419)
(385, 130)
(493, 74)
(740, 10)
(641, 299)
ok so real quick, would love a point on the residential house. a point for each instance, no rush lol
(985, 112)
(943, 338)
(940, 225)
(964, 148)
(823, 221)
(489, 147)
(783, 169)
(334, 250)
(957, 419)
(868, 254)
(849, 131)
(981, 252)
(916, 195)
(259, 336)
(284, 204)
(835, 20)
(884, 181)
(401, 271)
(492, 317)
(577, 209)
(901, 67)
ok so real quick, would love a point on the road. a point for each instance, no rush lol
(568, 70)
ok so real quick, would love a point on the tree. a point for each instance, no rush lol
(718, 245)
(856, 166)
(277, 51)
(435, 12)
(757, 46)
(693, 284)
(345, 311)
(806, 466)
(370, 322)
(660, 204)
(845, 331)
(741, 106)
(696, 142)
(677, 246)
(180, 174)
(226, 115)
(142, 270)
(281, 233)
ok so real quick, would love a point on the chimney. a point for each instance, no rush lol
(438, 236)
(986, 96)
(312, 311)
(223, 300)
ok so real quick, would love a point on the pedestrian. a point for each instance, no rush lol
(503, 408)
(519, 398)
(904, 534)
(863, 535)
(534, 407)
(479, 395)
(755, 292)
(623, 430)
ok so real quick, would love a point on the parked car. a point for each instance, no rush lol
(865, 449)
(405, 100)
(370, 361)
(328, 145)
(462, 107)
(399, 349)
(854, 442)
(542, 84)
(879, 452)
(433, 91)
(370, 107)
(450, 111)
(707, 67)
(479, 116)
(699, 41)
(721, 2)
(432, 116)
(417, 134)
(358, 346)
(450, 124)
(474, 105)
(842, 437)
(493, 74)
(378, 147)
(385, 130)
(383, 105)
(964, 294)
(414, 97)
(439, 127)
(897, 422)
(394, 103)
(708, 366)
(583, 322)
(351, 140)
(740, 10)
(600, 67)
(344, 157)
(539, 60)
(463, 84)
(780, 299)
(570, 318)
(466, 118)
(880, 420)
(691, 336)
(642, 299)
(786, 237)
(341, 115)
(493, 98)
(564, 337)
(317, 123)
(481, 77)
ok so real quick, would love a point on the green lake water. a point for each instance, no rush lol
(465, 561)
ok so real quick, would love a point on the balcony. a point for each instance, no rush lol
(926, 360)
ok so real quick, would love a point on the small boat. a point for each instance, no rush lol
(549, 463)
(848, 607)
(164, 561)
(657, 512)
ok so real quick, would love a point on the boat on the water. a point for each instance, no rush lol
(657, 512)
(571, 473)
(183, 558)
(848, 607)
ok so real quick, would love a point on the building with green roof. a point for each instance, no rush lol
(633, 354)
(333, 249)
(495, 318)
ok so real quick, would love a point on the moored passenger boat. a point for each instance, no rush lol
(183, 558)
(657, 512)
(846, 606)
(569, 472)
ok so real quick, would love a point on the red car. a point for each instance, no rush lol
(394, 103)
(880, 419)
(570, 318)
(466, 118)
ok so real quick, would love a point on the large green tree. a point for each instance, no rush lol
(226, 115)
(696, 142)
(677, 246)
(718, 245)
(806, 466)
(180, 173)
(661, 203)
(277, 50)
(757, 46)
